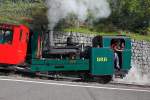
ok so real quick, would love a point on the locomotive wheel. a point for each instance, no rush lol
(87, 77)
(104, 79)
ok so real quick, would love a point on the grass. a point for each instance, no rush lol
(140, 37)
(18, 12)
(88, 31)
(80, 30)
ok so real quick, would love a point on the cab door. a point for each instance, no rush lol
(126, 55)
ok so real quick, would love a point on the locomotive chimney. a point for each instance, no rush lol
(51, 41)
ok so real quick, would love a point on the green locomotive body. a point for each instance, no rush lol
(100, 60)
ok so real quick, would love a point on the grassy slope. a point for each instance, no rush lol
(87, 31)
(20, 12)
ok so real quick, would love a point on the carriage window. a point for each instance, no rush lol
(6, 36)
(1, 35)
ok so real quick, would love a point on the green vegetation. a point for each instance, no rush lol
(80, 30)
(22, 11)
(132, 15)
(127, 15)
(140, 37)
(88, 31)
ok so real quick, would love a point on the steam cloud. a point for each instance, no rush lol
(59, 9)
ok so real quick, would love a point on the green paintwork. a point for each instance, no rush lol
(106, 42)
(59, 65)
(126, 55)
(34, 42)
(102, 61)
(128, 43)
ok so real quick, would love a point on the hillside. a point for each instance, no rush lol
(131, 17)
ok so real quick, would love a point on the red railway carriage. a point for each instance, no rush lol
(13, 43)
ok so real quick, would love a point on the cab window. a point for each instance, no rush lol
(119, 42)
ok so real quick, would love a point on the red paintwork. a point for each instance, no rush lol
(15, 53)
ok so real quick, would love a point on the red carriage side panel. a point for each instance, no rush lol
(15, 52)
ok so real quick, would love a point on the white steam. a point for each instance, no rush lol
(59, 9)
(137, 75)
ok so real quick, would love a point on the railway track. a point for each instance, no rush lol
(19, 72)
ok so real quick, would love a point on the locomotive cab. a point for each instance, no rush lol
(123, 44)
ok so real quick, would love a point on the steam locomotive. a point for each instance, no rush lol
(21, 46)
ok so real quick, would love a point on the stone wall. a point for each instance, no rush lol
(140, 49)
(141, 56)
(61, 37)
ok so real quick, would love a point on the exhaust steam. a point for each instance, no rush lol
(59, 9)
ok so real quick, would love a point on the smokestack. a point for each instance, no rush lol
(51, 41)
